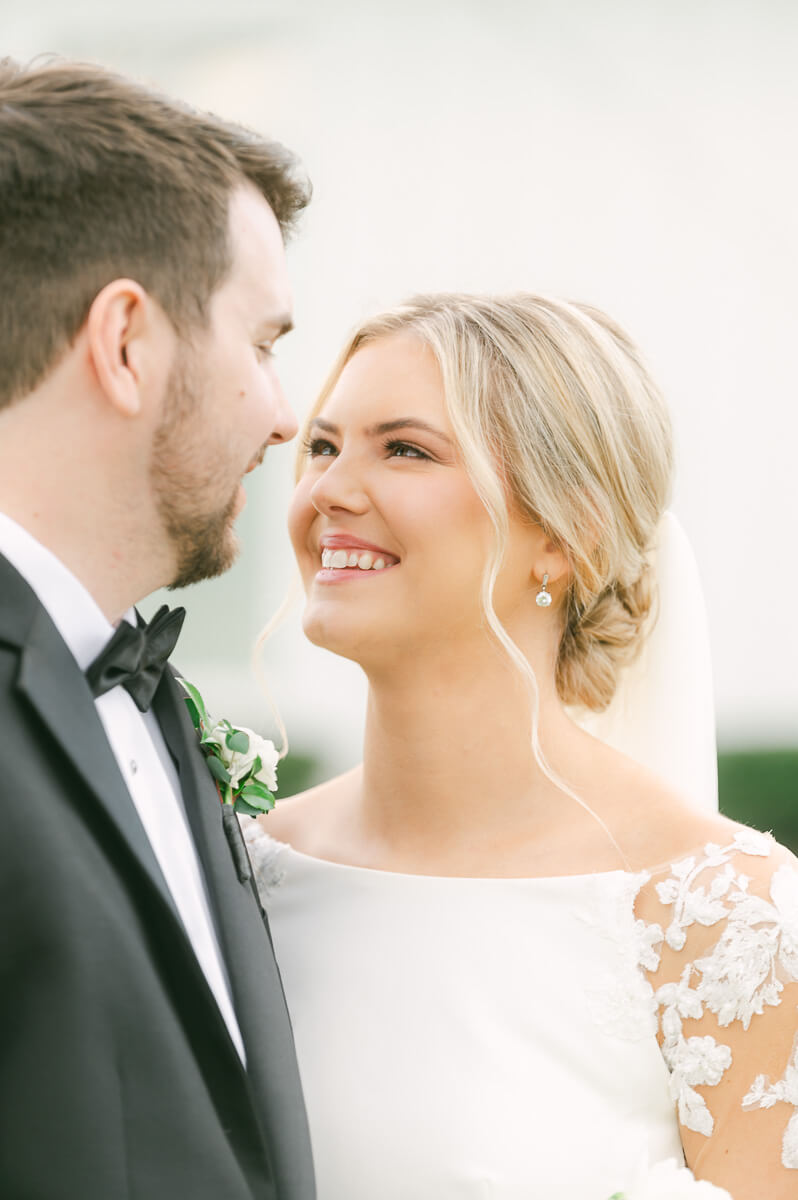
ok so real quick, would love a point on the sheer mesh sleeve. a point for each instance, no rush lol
(726, 991)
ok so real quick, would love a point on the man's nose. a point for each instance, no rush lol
(285, 425)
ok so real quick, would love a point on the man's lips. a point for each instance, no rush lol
(257, 460)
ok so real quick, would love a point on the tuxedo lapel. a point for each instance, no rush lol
(55, 686)
(200, 796)
(246, 944)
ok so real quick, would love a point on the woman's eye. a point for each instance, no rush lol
(265, 350)
(316, 447)
(404, 450)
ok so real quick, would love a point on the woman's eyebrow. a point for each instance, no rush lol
(384, 427)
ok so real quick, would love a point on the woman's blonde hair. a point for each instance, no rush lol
(556, 417)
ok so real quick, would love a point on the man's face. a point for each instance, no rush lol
(224, 404)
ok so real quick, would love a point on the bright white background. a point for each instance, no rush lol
(638, 155)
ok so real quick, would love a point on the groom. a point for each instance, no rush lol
(145, 1048)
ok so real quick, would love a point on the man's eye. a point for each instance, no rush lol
(316, 447)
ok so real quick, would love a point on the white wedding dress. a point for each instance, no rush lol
(496, 1039)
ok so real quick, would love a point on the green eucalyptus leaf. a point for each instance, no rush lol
(238, 741)
(199, 703)
(248, 810)
(217, 769)
(256, 800)
(245, 809)
(253, 788)
(194, 713)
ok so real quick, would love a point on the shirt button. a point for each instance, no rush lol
(134, 766)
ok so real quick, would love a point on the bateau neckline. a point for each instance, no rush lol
(378, 871)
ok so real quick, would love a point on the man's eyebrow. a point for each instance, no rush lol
(283, 323)
(384, 427)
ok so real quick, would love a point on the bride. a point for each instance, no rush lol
(519, 963)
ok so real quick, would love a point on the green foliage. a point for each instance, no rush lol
(254, 798)
(760, 788)
(217, 769)
(237, 741)
(300, 771)
(195, 704)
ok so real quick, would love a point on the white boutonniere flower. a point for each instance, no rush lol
(243, 764)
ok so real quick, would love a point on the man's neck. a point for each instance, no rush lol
(103, 564)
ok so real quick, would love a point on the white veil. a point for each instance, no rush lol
(663, 713)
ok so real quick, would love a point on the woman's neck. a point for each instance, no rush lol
(448, 759)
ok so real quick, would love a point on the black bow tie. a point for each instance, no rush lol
(135, 658)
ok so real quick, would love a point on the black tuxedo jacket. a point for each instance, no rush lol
(118, 1077)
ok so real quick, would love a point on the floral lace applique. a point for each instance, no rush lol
(736, 979)
(264, 853)
(765, 1094)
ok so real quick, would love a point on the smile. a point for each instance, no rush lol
(363, 560)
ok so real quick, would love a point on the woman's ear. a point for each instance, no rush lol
(551, 560)
(119, 321)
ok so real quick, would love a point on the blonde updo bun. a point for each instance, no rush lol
(597, 642)
(556, 417)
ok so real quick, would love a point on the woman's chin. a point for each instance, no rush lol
(332, 635)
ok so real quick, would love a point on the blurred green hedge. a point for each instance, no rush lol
(760, 788)
(757, 787)
(296, 773)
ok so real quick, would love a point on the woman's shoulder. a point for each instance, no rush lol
(726, 892)
(658, 826)
(720, 926)
(711, 844)
(306, 820)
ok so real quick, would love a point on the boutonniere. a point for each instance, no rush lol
(243, 764)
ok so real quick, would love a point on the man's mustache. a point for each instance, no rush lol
(257, 460)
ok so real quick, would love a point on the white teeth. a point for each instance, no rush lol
(340, 559)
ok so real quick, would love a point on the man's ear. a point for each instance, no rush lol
(119, 318)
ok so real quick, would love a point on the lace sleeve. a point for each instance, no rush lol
(726, 989)
(264, 854)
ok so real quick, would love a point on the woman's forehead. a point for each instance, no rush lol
(384, 376)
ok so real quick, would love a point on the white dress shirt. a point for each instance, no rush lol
(139, 748)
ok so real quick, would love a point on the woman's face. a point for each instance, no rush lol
(389, 533)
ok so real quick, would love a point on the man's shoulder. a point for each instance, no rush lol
(20, 607)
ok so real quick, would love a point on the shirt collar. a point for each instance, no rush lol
(72, 609)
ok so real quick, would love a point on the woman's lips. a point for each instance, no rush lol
(353, 562)
(344, 556)
(347, 541)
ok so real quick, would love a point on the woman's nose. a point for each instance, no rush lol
(340, 488)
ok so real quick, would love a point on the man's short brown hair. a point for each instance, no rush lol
(101, 178)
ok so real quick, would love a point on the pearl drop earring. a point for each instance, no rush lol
(543, 598)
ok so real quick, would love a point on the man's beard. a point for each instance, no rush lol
(203, 540)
